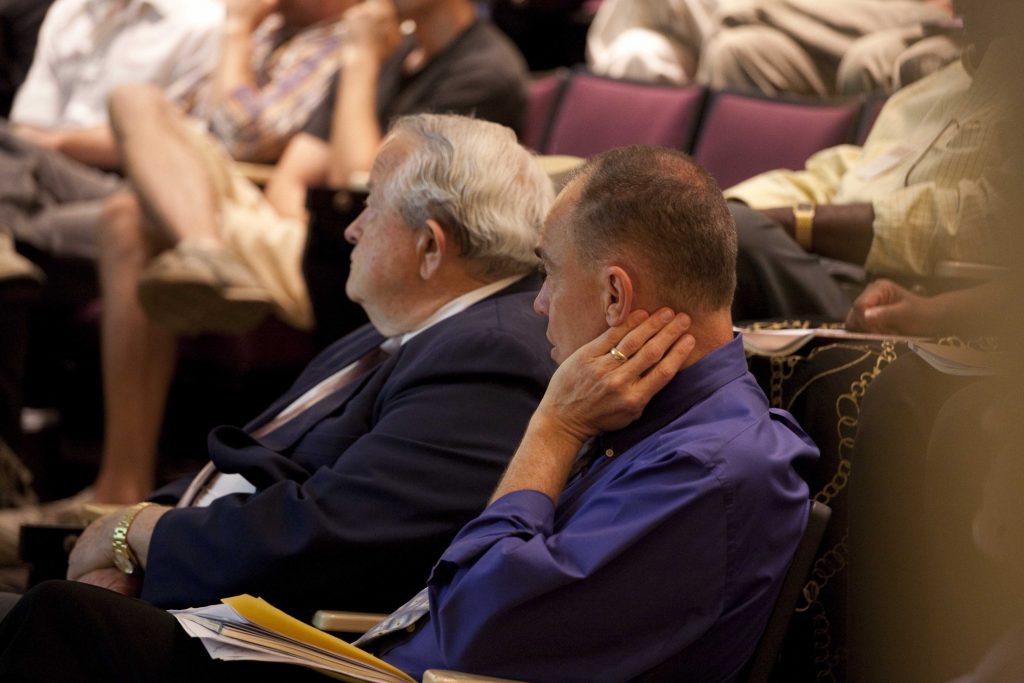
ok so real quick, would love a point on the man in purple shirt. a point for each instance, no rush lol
(645, 523)
(663, 555)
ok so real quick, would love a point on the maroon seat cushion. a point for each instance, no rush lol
(543, 98)
(596, 114)
(743, 135)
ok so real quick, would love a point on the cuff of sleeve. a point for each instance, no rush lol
(520, 514)
(902, 238)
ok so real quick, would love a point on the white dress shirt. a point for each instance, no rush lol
(87, 48)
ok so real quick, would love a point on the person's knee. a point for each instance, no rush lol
(120, 229)
(135, 102)
(924, 58)
(867, 65)
(758, 57)
(725, 56)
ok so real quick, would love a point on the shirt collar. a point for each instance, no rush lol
(456, 305)
(687, 388)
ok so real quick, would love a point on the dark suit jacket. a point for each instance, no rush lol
(357, 498)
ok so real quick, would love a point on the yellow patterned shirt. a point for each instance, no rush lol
(928, 168)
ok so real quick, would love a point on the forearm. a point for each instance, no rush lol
(235, 67)
(91, 146)
(840, 231)
(542, 462)
(355, 132)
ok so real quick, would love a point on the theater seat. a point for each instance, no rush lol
(597, 113)
(544, 94)
(742, 135)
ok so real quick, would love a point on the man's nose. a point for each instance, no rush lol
(354, 229)
(540, 302)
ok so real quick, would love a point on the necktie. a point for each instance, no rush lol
(403, 618)
(332, 384)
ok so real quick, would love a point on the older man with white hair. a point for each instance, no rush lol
(347, 488)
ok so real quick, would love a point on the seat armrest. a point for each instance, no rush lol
(346, 622)
(441, 676)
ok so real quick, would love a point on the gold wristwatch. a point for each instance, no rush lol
(124, 558)
(803, 219)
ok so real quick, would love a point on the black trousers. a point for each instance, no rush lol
(776, 278)
(66, 631)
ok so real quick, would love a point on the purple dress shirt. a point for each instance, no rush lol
(660, 562)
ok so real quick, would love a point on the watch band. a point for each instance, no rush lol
(803, 219)
(124, 558)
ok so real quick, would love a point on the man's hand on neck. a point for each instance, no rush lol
(592, 392)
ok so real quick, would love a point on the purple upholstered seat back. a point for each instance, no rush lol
(596, 114)
(742, 136)
(545, 92)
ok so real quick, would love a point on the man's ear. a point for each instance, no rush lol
(618, 295)
(431, 245)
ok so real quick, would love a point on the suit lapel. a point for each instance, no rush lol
(285, 437)
(344, 352)
(338, 356)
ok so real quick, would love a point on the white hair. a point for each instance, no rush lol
(485, 190)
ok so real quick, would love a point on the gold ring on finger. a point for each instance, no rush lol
(618, 355)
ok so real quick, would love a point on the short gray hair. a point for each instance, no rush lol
(664, 208)
(485, 190)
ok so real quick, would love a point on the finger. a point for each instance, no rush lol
(671, 362)
(855, 320)
(655, 349)
(633, 340)
(613, 335)
(636, 316)
(872, 296)
(874, 320)
(655, 346)
(886, 319)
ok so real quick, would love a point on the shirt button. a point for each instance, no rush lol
(609, 453)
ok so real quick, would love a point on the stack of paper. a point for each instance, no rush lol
(784, 342)
(957, 360)
(248, 628)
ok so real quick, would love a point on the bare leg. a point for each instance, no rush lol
(200, 286)
(169, 176)
(138, 359)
